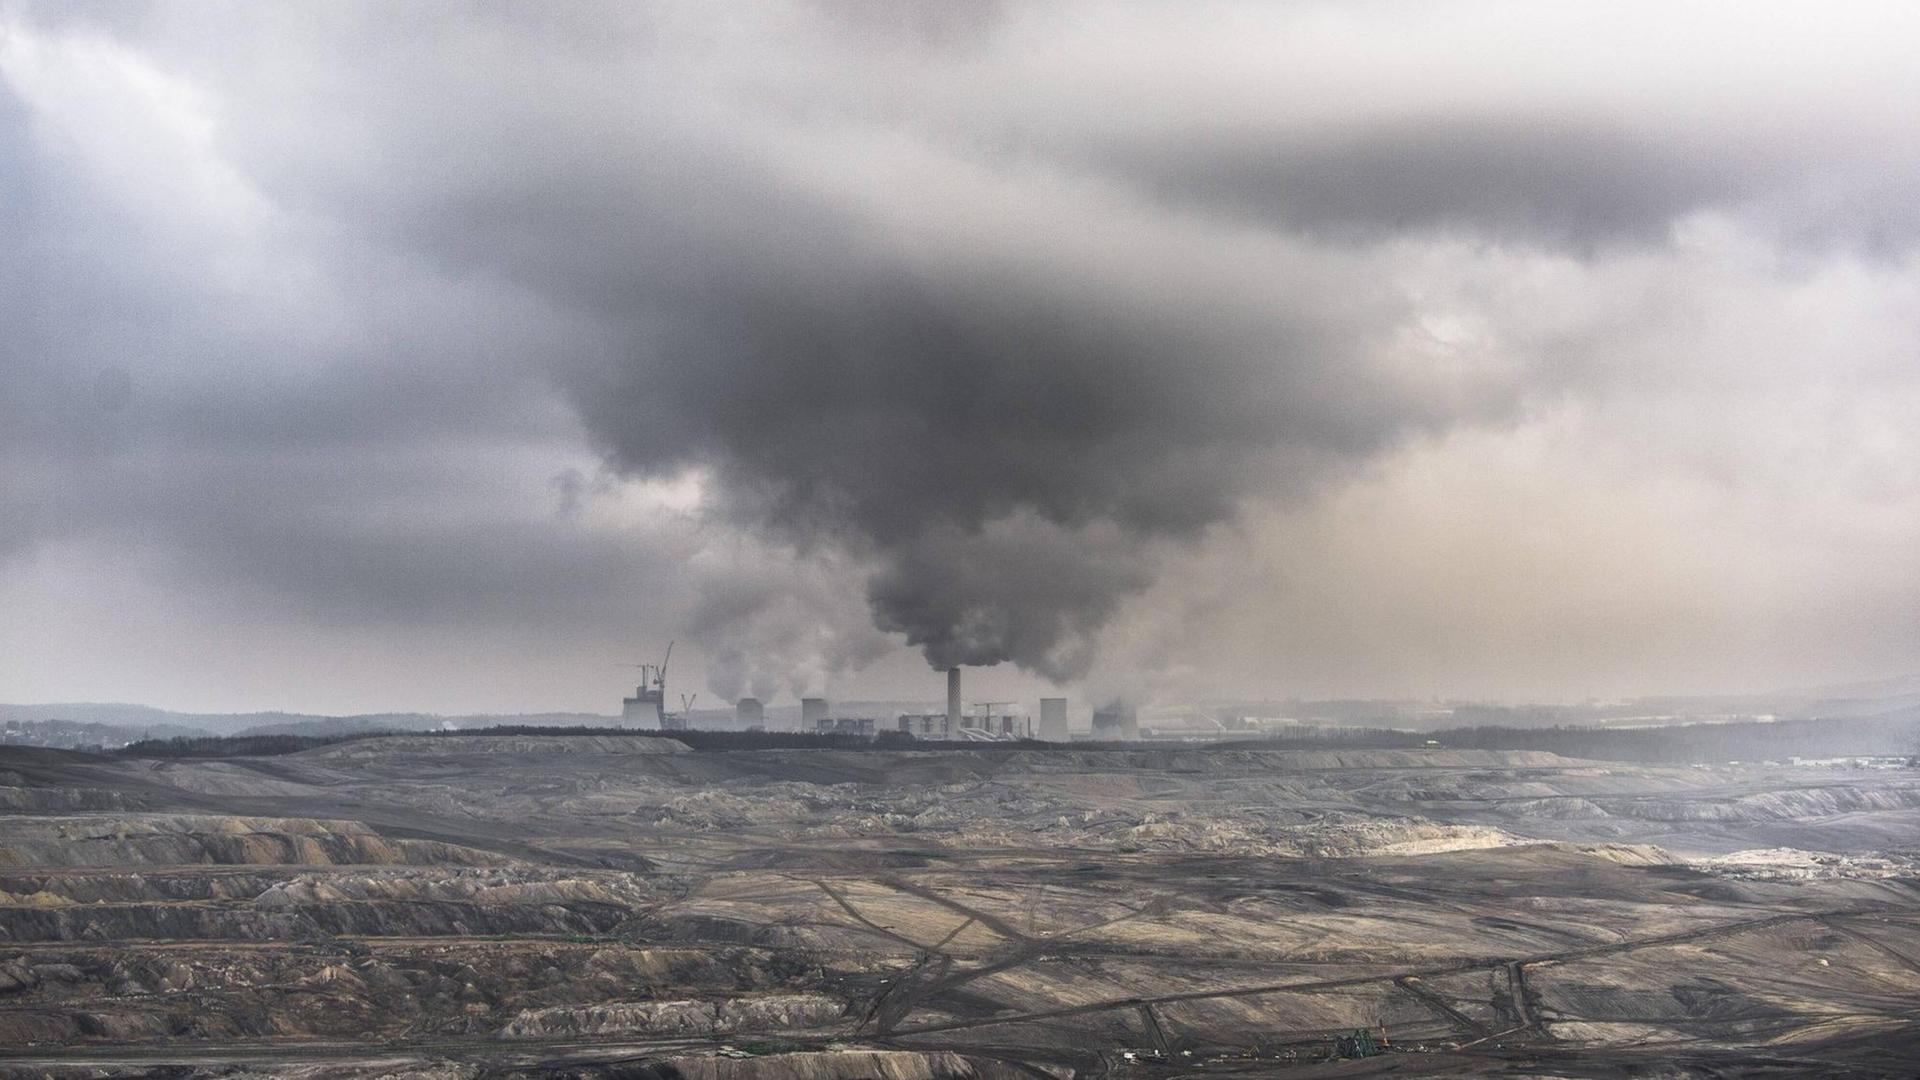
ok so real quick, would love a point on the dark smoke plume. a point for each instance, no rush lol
(1008, 449)
(1004, 387)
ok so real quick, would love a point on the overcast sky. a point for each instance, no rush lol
(448, 357)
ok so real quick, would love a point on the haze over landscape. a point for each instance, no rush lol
(851, 540)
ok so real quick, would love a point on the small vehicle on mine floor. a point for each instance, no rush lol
(1360, 1043)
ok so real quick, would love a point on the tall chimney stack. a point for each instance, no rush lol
(953, 701)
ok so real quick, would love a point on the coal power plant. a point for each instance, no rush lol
(851, 540)
(980, 721)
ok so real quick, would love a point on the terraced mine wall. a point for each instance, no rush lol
(532, 905)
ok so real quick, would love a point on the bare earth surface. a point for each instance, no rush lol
(460, 907)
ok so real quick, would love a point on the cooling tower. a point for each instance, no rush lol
(749, 713)
(813, 712)
(1053, 719)
(1116, 721)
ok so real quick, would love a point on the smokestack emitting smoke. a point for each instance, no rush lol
(931, 301)
(953, 699)
(1006, 463)
(1002, 410)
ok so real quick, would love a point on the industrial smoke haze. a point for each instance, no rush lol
(1005, 438)
(1488, 349)
(1005, 409)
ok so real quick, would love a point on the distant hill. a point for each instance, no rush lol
(80, 734)
(1837, 701)
(162, 723)
(118, 715)
(134, 722)
(295, 724)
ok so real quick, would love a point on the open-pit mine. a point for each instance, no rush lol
(494, 906)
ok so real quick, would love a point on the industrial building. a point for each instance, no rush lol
(1002, 725)
(926, 725)
(995, 721)
(987, 721)
(848, 725)
(956, 723)
(990, 725)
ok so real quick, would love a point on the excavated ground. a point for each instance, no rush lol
(464, 907)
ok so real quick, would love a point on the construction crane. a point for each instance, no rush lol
(654, 676)
(651, 695)
(669, 721)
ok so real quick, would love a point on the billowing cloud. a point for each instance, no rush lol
(990, 333)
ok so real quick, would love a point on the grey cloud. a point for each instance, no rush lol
(1563, 182)
(841, 391)
(984, 316)
(911, 410)
(323, 456)
(851, 399)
